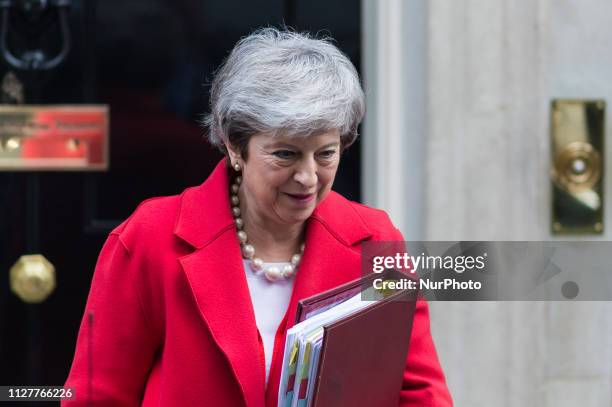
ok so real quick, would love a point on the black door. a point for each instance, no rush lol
(150, 61)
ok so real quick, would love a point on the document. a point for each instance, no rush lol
(338, 333)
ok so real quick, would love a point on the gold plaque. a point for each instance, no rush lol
(577, 144)
(54, 138)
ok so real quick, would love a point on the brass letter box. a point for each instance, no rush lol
(56, 138)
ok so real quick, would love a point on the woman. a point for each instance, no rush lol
(193, 294)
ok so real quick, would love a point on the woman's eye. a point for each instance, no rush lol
(284, 154)
(327, 154)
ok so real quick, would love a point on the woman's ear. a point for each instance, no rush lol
(234, 156)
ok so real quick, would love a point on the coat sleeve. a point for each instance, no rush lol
(424, 384)
(115, 346)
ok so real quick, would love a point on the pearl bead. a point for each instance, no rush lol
(295, 259)
(235, 211)
(248, 251)
(242, 236)
(235, 200)
(235, 188)
(238, 180)
(257, 264)
(288, 270)
(273, 273)
(239, 223)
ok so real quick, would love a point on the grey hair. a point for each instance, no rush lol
(284, 82)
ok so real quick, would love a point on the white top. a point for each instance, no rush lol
(270, 301)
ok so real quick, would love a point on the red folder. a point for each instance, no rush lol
(363, 355)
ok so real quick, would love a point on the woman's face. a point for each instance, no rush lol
(285, 178)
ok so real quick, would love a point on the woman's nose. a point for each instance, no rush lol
(306, 173)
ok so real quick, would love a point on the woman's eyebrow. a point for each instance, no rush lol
(332, 144)
(278, 144)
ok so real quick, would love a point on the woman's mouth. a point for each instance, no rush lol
(301, 199)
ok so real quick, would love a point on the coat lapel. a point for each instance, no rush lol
(329, 260)
(216, 274)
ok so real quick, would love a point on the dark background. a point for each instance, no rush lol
(151, 61)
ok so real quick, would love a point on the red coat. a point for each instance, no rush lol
(173, 323)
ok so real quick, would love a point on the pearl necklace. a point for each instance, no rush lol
(272, 273)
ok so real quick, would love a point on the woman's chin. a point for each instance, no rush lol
(297, 216)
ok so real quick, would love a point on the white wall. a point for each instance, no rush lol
(472, 139)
